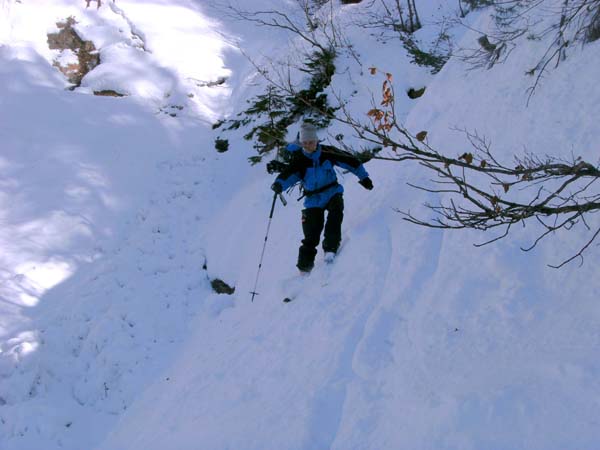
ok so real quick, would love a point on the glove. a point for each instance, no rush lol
(293, 147)
(366, 183)
(276, 187)
(275, 166)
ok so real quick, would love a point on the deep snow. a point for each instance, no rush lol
(114, 217)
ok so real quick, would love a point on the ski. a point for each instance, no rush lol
(294, 285)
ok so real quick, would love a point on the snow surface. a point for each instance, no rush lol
(115, 216)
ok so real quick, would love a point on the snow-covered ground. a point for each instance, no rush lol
(114, 216)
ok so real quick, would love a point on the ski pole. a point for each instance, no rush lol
(254, 293)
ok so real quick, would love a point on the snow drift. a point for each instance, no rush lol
(116, 215)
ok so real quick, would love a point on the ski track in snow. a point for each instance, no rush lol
(330, 398)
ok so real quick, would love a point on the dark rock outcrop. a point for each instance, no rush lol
(220, 287)
(68, 39)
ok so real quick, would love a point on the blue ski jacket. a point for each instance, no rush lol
(315, 171)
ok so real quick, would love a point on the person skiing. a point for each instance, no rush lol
(312, 165)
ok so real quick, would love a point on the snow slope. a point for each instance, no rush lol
(115, 216)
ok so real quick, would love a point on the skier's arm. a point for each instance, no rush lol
(345, 161)
(361, 173)
(287, 180)
(292, 173)
(352, 164)
(359, 170)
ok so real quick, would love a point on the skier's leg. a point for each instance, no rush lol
(333, 227)
(312, 225)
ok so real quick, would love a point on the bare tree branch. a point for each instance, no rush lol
(477, 189)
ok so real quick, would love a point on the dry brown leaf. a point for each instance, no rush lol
(377, 114)
(468, 157)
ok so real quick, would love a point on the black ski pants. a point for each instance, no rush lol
(313, 220)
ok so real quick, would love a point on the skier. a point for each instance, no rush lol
(312, 165)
